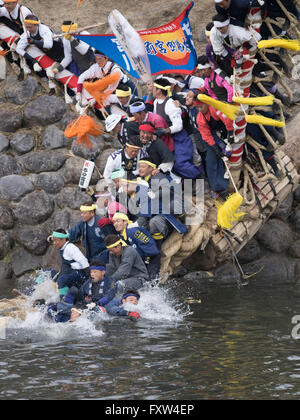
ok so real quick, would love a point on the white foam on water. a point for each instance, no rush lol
(36, 324)
(157, 305)
(46, 290)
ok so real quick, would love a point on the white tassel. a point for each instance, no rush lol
(132, 44)
(24, 66)
(68, 98)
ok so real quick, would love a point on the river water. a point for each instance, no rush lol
(224, 344)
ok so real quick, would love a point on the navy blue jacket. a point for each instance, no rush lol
(106, 291)
(59, 312)
(92, 237)
(140, 239)
(115, 308)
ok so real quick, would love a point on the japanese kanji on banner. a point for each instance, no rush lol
(170, 47)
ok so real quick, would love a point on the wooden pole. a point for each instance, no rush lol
(86, 28)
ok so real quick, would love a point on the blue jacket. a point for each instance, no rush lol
(92, 237)
(115, 308)
(59, 312)
(106, 292)
(158, 197)
(140, 239)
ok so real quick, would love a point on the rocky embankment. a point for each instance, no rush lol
(39, 174)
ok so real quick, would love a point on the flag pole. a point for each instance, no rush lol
(85, 28)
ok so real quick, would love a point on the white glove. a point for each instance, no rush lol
(91, 306)
(50, 73)
(228, 148)
(78, 97)
(92, 102)
(37, 68)
(26, 70)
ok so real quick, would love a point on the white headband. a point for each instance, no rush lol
(203, 66)
(137, 107)
(218, 24)
(103, 195)
(218, 1)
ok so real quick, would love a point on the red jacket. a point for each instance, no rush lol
(203, 124)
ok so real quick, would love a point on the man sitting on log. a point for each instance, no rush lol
(12, 15)
(237, 9)
(165, 106)
(78, 56)
(226, 37)
(40, 36)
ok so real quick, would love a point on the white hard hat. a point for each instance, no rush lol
(111, 121)
(196, 82)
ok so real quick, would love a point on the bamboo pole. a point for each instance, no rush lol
(85, 28)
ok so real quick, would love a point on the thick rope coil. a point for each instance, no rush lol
(172, 245)
(248, 187)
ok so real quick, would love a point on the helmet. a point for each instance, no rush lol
(111, 121)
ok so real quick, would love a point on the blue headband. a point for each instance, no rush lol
(99, 268)
(59, 235)
(137, 107)
(130, 294)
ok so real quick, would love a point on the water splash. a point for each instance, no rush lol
(157, 304)
(38, 327)
(44, 288)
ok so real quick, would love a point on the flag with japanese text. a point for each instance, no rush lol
(170, 47)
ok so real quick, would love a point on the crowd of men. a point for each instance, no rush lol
(165, 137)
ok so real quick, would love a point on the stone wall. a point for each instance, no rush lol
(38, 174)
